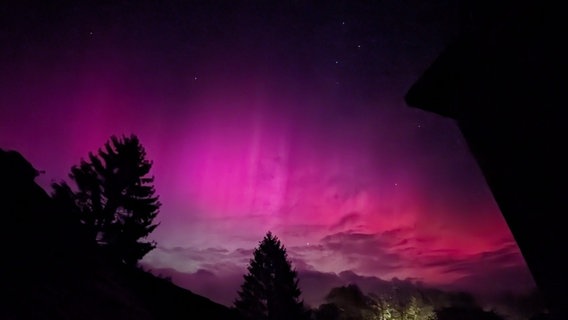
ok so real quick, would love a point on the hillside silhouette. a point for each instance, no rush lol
(52, 270)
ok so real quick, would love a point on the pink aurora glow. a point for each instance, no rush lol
(233, 164)
(248, 135)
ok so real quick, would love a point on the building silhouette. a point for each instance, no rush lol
(503, 81)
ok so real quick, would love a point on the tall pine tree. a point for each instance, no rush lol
(116, 198)
(270, 289)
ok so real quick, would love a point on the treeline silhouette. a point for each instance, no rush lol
(74, 255)
(270, 291)
(349, 302)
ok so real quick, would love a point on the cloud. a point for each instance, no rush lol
(402, 253)
(191, 259)
(315, 285)
(367, 258)
(491, 283)
(221, 288)
(366, 253)
(345, 221)
(301, 231)
(500, 258)
(221, 281)
(300, 264)
(212, 272)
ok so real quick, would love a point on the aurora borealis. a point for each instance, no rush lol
(286, 117)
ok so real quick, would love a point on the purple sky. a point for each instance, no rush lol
(287, 118)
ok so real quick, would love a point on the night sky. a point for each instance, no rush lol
(283, 116)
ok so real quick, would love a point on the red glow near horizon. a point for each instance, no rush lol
(238, 164)
(265, 131)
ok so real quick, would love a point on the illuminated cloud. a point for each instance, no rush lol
(252, 126)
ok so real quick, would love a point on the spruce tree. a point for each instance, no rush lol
(270, 289)
(116, 198)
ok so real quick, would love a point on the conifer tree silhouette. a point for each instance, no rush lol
(116, 198)
(270, 289)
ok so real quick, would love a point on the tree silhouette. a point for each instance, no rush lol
(270, 289)
(327, 311)
(350, 300)
(115, 198)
